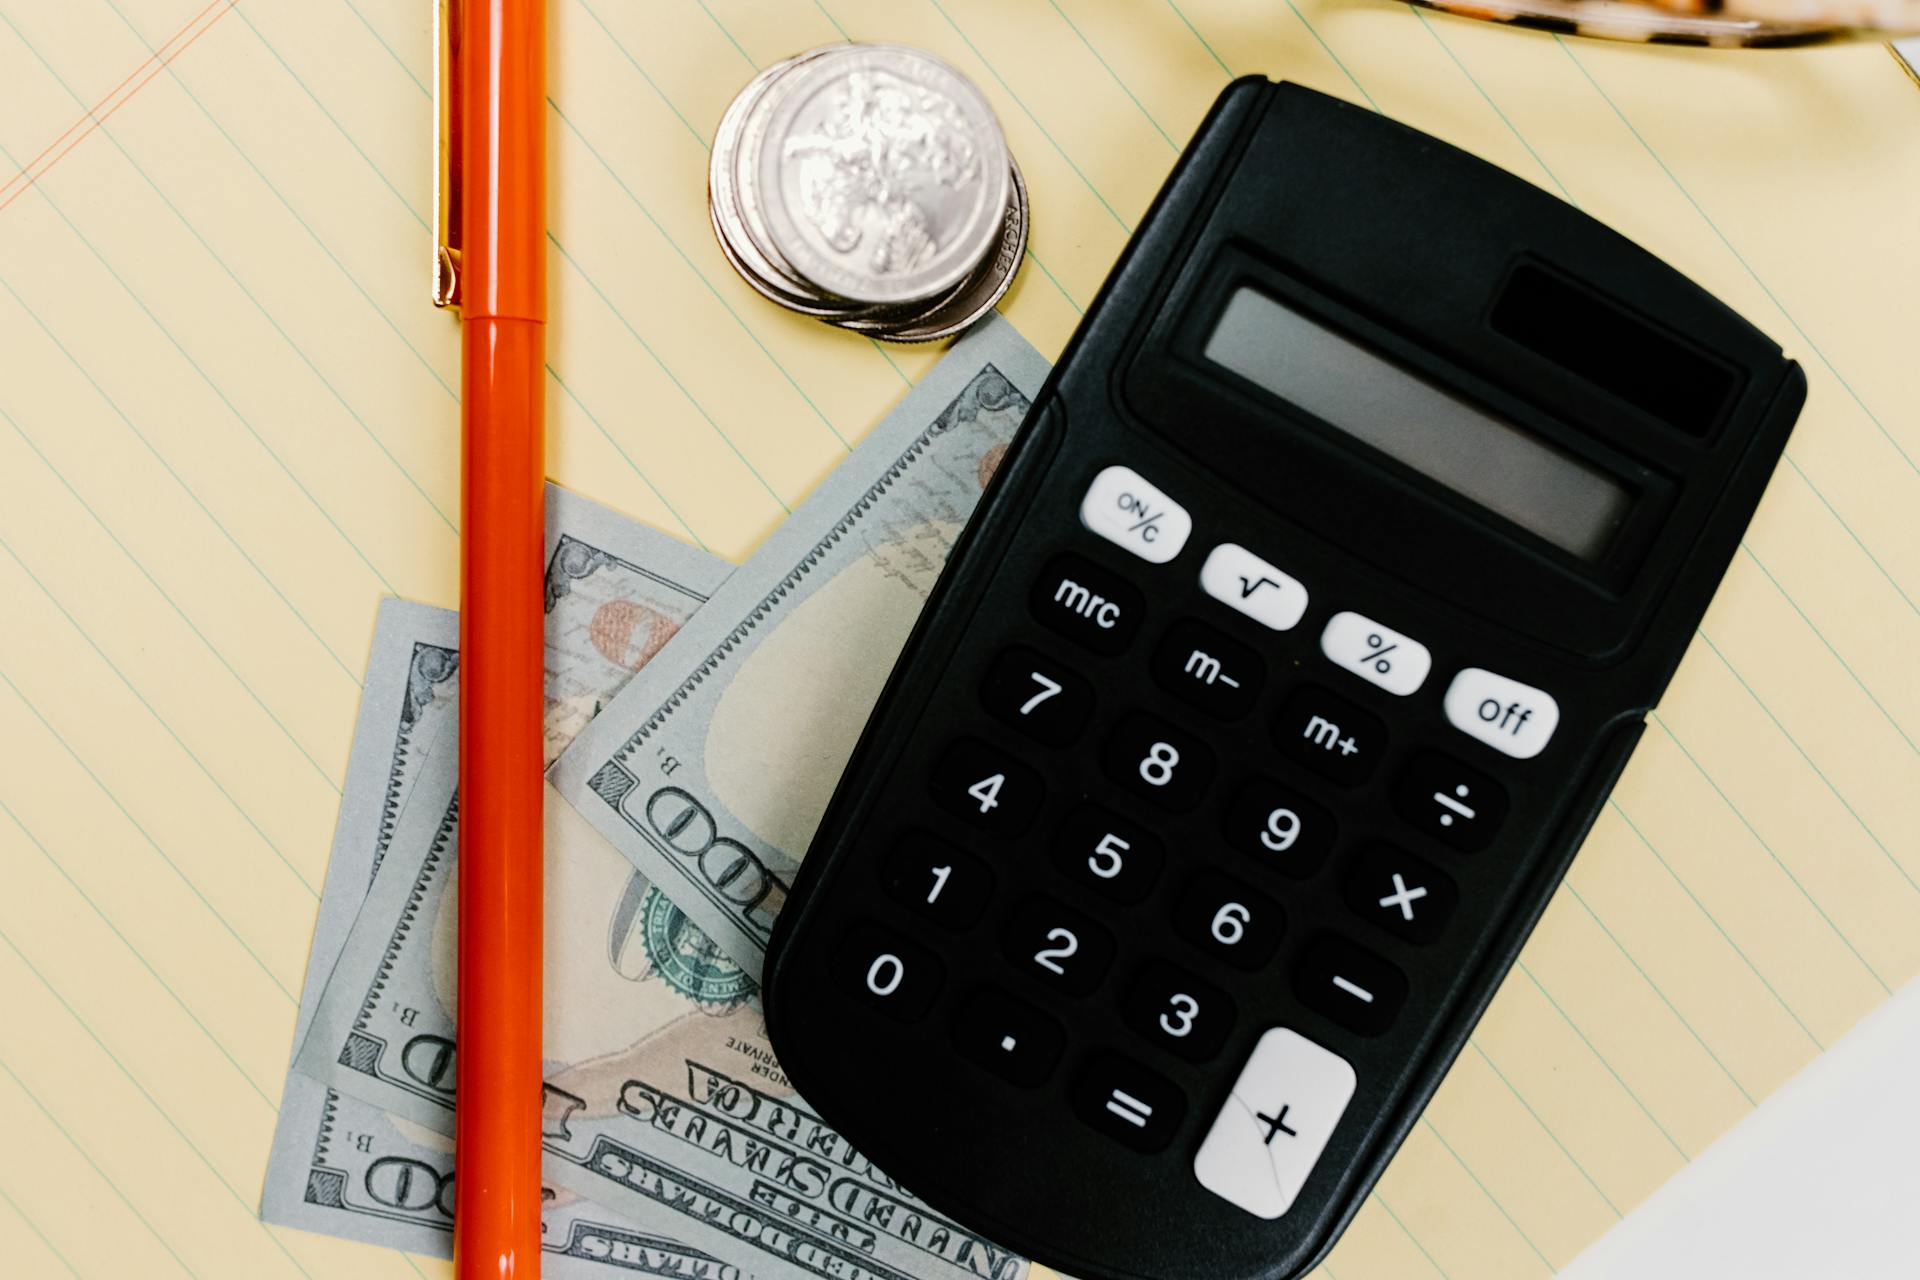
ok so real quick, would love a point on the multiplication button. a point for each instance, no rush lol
(1267, 1137)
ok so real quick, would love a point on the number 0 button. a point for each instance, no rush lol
(987, 787)
(1151, 758)
(1225, 918)
(1059, 946)
(884, 969)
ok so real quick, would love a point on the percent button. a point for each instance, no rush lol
(1377, 654)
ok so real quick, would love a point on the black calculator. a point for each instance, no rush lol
(1263, 703)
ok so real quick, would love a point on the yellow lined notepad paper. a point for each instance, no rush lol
(228, 428)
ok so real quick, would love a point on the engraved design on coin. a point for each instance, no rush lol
(884, 169)
(687, 959)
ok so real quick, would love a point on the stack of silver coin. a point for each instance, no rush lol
(869, 185)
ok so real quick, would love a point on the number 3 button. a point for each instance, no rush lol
(1177, 1011)
(987, 787)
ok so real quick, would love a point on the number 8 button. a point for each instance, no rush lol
(1151, 758)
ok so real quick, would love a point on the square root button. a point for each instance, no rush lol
(1270, 1133)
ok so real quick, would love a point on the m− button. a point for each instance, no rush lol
(1208, 670)
(1087, 604)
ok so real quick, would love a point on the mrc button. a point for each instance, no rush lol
(1085, 603)
(1508, 716)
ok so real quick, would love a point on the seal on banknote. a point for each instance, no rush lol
(687, 959)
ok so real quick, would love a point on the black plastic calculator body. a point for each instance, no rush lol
(1266, 698)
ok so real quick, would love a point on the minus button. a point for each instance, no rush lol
(1353, 989)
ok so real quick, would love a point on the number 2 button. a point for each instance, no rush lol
(1059, 946)
(1151, 758)
(987, 787)
(1038, 696)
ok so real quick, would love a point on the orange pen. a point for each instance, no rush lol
(490, 261)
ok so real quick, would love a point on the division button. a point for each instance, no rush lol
(1127, 1102)
(1122, 507)
(1330, 735)
(1452, 803)
(1513, 718)
(1243, 581)
(1349, 985)
(1267, 1138)
(1208, 670)
(1009, 1037)
(1087, 604)
(1376, 653)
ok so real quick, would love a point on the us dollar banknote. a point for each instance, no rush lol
(615, 591)
(663, 1099)
(711, 770)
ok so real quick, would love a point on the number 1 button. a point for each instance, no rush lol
(987, 787)
(1038, 696)
(937, 880)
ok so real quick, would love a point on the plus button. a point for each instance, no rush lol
(1276, 1124)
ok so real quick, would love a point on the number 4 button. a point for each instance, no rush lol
(986, 787)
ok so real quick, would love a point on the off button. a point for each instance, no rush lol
(1513, 718)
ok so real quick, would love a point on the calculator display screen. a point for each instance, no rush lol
(1501, 466)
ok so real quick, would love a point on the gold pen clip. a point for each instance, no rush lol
(446, 158)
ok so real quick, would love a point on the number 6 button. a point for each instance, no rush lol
(1225, 918)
